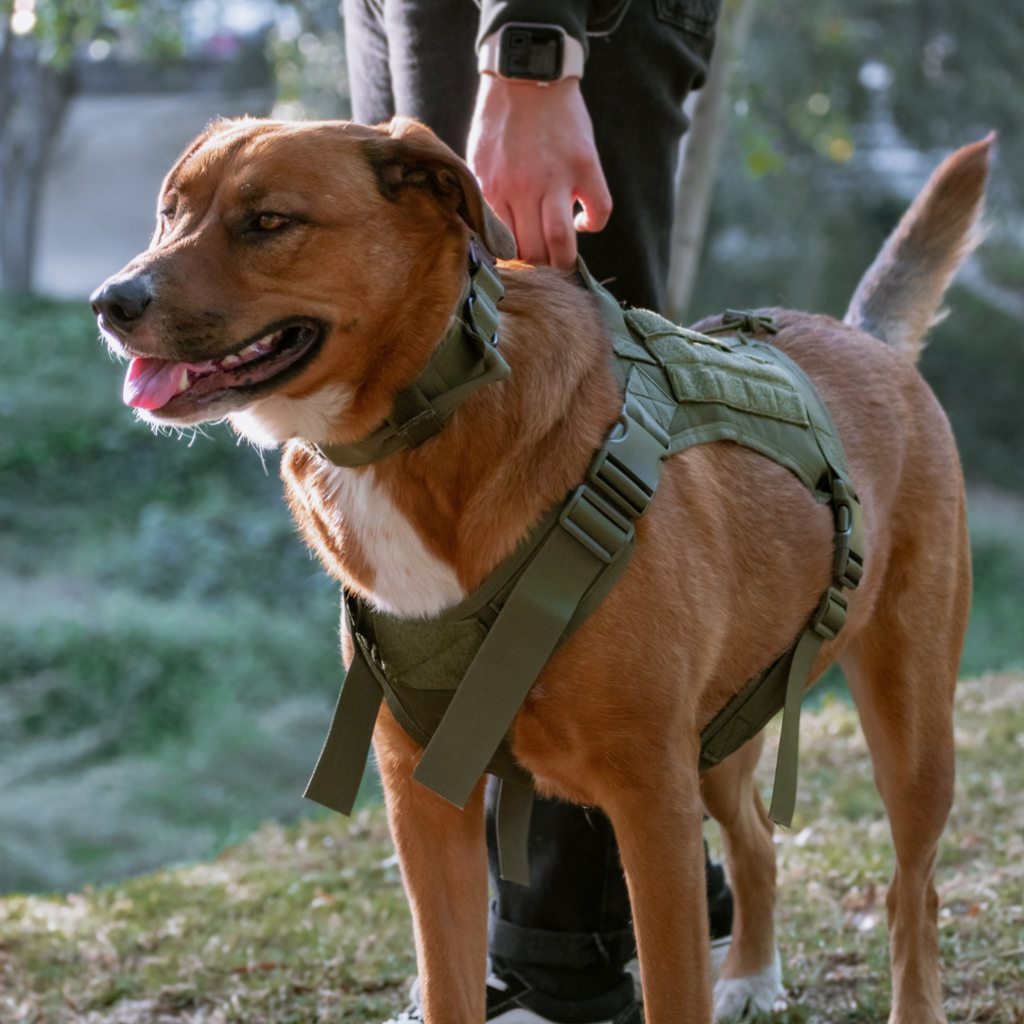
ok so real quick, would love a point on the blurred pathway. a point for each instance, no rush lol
(100, 197)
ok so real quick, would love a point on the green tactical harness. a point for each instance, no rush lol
(456, 681)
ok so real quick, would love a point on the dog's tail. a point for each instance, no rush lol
(898, 298)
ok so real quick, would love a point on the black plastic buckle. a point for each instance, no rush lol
(830, 615)
(484, 276)
(600, 528)
(478, 330)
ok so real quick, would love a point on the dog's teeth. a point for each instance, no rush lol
(251, 351)
(183, 383)
(230, 361)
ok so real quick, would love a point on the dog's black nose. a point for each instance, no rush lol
(122, 302)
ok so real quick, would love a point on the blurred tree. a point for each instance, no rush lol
(839, 111)
(700, 150)
(37, 80)
(39, 42)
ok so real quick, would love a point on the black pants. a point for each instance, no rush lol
(570, 933)
(417, 58)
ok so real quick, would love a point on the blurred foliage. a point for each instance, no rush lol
(815, 72)
(150, 29)
(306, 49)
(841, 111)
(164, 629)
(170, 648)
(851, 103)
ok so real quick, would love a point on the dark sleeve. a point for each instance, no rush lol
(579, 18)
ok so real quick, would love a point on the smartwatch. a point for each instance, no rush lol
(531, 53)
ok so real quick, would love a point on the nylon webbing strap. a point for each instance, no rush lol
(746, 714)
(517, 647)
(339, 769)
(512, 825)
(595, 529)
(787, 762)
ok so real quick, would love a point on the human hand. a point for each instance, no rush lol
(532, 150)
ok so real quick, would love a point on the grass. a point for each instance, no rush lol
(309, 923)
(836, 862)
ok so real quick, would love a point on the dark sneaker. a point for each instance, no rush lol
(508, 999)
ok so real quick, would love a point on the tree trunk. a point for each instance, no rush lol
(33, 100)
(695, 183)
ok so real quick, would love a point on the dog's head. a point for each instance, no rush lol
(299, 275)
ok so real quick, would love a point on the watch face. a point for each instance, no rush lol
(534, 53)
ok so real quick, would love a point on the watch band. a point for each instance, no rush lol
(489, 57)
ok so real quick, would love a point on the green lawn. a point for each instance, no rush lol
(309, 924)
(170, 650)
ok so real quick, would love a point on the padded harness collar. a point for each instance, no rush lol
(466, 360)
(456, 682)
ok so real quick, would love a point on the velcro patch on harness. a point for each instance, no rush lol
(703, 369)
(427, 655)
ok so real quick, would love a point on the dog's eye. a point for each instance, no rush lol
(270, 221)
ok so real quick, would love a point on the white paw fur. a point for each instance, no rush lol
(738, 997)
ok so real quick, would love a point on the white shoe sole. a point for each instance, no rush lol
(520, 1015)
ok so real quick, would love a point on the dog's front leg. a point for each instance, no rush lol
(443, 855)
(657, 818)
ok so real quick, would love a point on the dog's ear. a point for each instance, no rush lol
(407, 154)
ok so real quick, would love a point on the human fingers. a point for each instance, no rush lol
(593, 193)
(505, 215)
(529, 229)
(557, 226)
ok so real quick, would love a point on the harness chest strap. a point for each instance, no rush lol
(580, 555)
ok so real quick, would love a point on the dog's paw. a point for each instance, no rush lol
(741, 997)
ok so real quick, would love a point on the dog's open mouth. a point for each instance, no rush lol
(161, 384)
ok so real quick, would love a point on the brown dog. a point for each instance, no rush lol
(301, 275)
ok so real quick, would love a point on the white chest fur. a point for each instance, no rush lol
(273, 420)
(409, 580)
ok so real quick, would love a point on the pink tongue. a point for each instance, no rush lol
(152, 383)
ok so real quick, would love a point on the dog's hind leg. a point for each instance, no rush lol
(657, 817)
(443, 855)
(902, 673)
(750, 979)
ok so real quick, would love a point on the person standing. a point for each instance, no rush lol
(570, 114)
